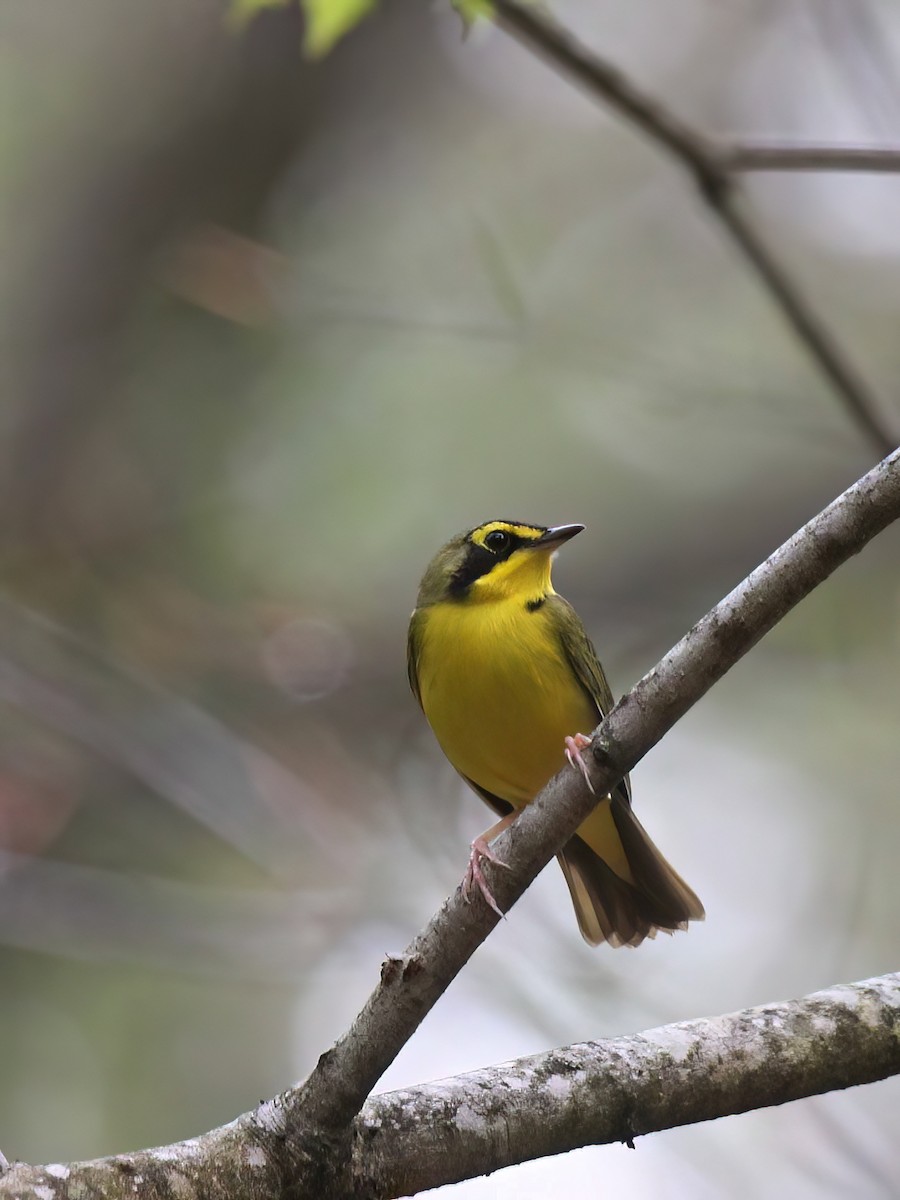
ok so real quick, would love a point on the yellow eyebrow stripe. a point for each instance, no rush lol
(528, 532)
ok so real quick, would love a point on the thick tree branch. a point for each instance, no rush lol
(583, 1095)
(618, 1089)
(715, 170)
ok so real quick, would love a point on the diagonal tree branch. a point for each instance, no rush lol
(712, 168)
(808, 325)
(590, 1094)
(411, 985)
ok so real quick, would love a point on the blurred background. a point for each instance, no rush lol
(274, 330)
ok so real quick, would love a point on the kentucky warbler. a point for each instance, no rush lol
(505, 672)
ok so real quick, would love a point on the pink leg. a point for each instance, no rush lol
(574, 747)
(481, 849)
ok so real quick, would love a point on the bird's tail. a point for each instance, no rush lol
(622, 887)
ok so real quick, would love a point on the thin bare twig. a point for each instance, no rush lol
(808, 325)
(711, 167)
(800, 156)
(562, 50)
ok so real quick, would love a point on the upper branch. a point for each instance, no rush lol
(715, 169)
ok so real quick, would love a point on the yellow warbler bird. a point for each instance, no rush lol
(505, 673)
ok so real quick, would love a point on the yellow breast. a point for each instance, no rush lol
(499, 694)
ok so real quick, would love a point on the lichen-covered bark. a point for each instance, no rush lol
(224, 1162)
(454, 1129)
(617, 1090)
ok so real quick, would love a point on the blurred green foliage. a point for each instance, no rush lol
(327, 21)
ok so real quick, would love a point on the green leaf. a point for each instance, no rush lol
(326, 20)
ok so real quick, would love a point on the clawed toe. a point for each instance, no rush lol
(474, 876)
(574, 747)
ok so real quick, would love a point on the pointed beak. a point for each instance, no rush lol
(556, 536)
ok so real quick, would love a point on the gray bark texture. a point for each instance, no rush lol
(584, 1095)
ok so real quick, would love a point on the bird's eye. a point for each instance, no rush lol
(497, 541)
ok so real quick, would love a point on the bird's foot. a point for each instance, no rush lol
(574, 747)
(474, 876)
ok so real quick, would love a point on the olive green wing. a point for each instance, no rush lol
(580, 652)
(582, 658)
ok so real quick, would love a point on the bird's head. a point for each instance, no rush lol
(495, 561)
